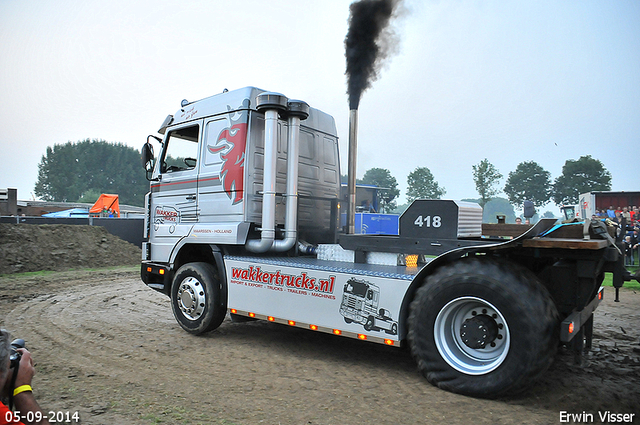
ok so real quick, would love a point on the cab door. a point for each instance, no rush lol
(222, 169)
(174, 208)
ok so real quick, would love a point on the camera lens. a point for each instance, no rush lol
(14, 355)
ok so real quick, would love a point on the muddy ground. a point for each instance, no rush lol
(109, 348)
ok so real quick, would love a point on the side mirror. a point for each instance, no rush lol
(147, 155)
(147, 159)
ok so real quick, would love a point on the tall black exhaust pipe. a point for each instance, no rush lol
(367, 44)
(353, 158)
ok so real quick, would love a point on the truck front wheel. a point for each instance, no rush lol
(370, 323)
(195, 298)
(482, 327)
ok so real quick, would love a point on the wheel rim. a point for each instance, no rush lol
(191, 298)
(472, 335)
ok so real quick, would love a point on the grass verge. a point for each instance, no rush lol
(608, 279)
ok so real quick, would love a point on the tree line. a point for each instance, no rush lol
(529, 181)
(81, 171)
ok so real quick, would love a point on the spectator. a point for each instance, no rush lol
(628, 251)
(20, 391)
(618, 211)
(626, 214)
(518, 220)
(367, 207)
(635, 245)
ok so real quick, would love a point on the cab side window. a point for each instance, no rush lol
(181, 152)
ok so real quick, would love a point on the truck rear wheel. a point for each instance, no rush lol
(482, 327)
(195, 298)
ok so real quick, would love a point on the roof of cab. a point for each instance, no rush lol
(242, 99)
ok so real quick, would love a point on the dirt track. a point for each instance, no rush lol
(108, 347)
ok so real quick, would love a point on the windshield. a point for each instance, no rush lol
(356, 287)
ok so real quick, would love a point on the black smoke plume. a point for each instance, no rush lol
(367, 44)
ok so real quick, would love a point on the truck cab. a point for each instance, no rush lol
(207, 182)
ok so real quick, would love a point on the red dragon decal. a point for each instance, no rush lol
(231, 144)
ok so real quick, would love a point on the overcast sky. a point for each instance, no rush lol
(510, 81)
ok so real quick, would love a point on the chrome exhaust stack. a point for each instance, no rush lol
(272, 104)
(298, 111)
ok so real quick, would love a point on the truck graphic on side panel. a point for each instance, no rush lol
(360, 301)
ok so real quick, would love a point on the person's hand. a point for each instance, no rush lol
(26, 370)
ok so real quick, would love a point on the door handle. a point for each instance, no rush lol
(191, 198)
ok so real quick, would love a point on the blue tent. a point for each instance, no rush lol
(72, 213)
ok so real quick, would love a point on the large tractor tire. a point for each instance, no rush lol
(196, 298)
(482, 327)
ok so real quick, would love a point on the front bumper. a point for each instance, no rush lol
(157, 276)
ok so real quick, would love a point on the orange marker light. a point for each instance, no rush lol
(313, 327)
(362, 337)
(234, 311)
(411, 260)
(388, 341)
(149, 269)
(337, 331)
(292, 322)
(252, 315)
(571, 328)
(161, 271)
(271, 319)
(600, 295)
